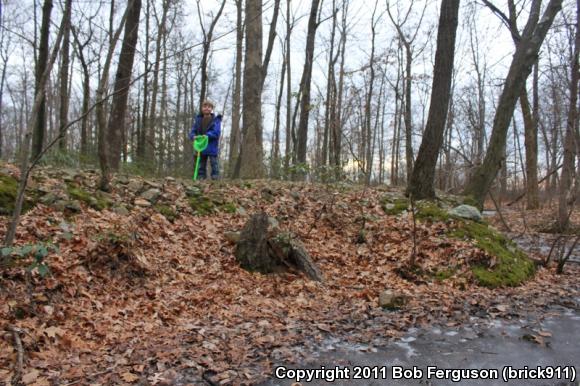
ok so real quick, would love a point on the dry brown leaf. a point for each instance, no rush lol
(30, 377)
(129, 377)
(53, 331)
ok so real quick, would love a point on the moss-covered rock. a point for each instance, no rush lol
(203, 205)
(394, 206)
(509, 265)
(428, 210)
(168, 212)
(8, 191)
(95, 201)
(469, 200)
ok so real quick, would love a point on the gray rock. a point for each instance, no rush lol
(295, 195)
(241, 211)
(467, 212)
(193, 191)
(151, 195)
(232, 237)
(152, 184)
(49, 198)
(135, 186)
(392, 300)
(142, 202)
(68, 176)
(273, 223)
(121, 210)
(123, 180)
(73, 206)
(59, 205)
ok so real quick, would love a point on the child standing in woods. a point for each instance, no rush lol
(207, 123)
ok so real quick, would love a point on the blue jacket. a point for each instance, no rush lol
(213, 132)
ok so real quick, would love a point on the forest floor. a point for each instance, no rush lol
(141, 286)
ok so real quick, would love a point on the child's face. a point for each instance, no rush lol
(206, 109)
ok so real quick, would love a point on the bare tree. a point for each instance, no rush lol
(305, 83)
(570, 147)
(407, 41)
(250, 162)
(251, 157)
(207, 39)
(422, 179)
(64, 69)
(235, 135)
(116, 125)
(40, 128)
(521, 66)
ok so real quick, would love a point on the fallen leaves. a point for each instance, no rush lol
(135, 298)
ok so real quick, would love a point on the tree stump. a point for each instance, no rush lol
(263, 248)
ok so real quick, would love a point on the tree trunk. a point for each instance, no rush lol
(263, 248)
(151, 125)
(521, 66)
(116, 126)
(251, 164)
(408, 113)
(103, 149)
(64, 68)
(531, 145)
(235, 135)
(287, 150)
(276, 141)
(423, 177)
(305, 84)
(207, 37)
(40, 128)
(568, 169)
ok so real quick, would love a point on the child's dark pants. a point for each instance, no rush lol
(215, 170)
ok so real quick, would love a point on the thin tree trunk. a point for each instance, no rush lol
(520, 68)
(568, 169)
(32, 124)
(207, 37)
(423, 177)
(531, 144)
(40, 129)
(235, 135)
(64, 79)
(305, 84)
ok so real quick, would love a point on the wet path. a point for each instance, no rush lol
(552, 344)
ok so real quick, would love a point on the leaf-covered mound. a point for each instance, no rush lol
(134, 296)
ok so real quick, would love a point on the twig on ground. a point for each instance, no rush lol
(103, 372)
(17, 378)
(413, 258)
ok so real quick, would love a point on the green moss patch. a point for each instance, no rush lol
(203, 205)
(509, 265)
(428, 210)
(394, 206)
(8, 191)
(444, 273)
(168, 212)
(95, 201)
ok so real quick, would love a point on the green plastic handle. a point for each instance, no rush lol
(199, 144)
